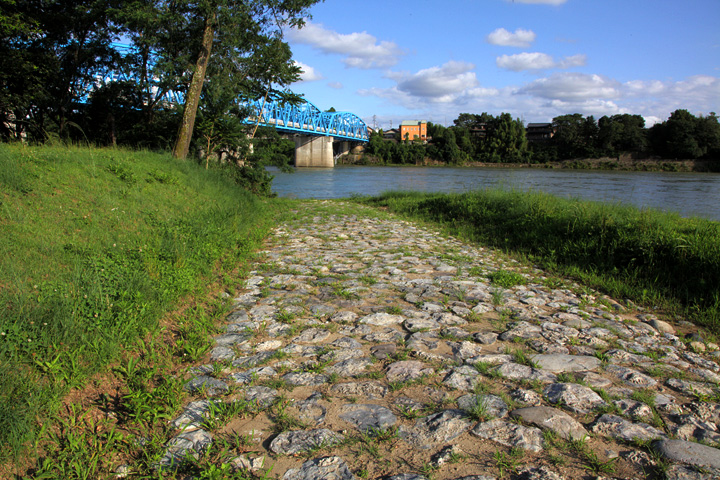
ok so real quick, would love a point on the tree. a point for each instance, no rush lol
(237, 32)
(708, 135)
(472, 120)
(685, 136)
(450, 151)
(504, 141)
(621, 133)
(50, 54)
(575, 136)
(676, 137)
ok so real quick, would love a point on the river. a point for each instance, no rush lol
(689, 194)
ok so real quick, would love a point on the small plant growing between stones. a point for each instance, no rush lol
(522, 358)
(428, 470)
(400, 354)
(550, 438)
(394, 310)
(602, 356)
(603, 394)
(456, 457)
(339, 291)
(366, 280)
(609, 407)
(507, 463)
(283, 316)
(487, 369)
(506, 279)
(476, 272)
(657, 371)
(410, 412)
(597, 466)
(282, 419)
(644, 395)
(568, 377)
(479, 411)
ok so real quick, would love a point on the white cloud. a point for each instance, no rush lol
(479, 92)
(525, 61)
(546, 2)
(537, 61)
(436, 89)
(651, 120)
(573, 87)
(440, 83)
(335, 85)
(698, 89)
(360, 50)
(520, 38)
(578, 60)
(440, 93)
(309, 74)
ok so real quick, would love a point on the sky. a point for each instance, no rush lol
(389, 61)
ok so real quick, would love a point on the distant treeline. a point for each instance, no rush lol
(502, 139)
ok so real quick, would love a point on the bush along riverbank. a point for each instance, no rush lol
(98, 245)
(650, 257)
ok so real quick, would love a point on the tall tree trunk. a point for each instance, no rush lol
(193, 95)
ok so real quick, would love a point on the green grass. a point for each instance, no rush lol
(506, 279)
(97, 246)
(651, 257)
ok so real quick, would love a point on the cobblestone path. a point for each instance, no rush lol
(369, 347)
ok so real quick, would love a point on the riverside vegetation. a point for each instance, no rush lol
(98, 245)
(682, 142)
(130, 287)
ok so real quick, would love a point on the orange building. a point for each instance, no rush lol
(413, 130)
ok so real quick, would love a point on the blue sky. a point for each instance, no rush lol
(389, 61)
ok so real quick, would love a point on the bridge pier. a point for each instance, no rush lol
(314, 151)
(342, 147)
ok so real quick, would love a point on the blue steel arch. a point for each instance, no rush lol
(306, 118)
(303, 118)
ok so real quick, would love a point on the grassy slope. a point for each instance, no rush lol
(96, 246)
(647, 256)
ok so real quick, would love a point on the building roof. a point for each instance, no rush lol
(539, 125)
(412, 122)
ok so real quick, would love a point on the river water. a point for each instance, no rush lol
(689, 194)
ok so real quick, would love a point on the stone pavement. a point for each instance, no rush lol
(369, 347)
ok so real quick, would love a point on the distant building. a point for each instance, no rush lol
(479, 131)
(539, 132)
(413, 130)
(390, 134)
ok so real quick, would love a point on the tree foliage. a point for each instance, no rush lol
(684, 135)
(53, 52)
(504, 140)
(50, 54)
(486, 138)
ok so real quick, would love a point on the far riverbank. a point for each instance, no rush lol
(622, 163)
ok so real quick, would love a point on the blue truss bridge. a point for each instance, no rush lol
(306, 119)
